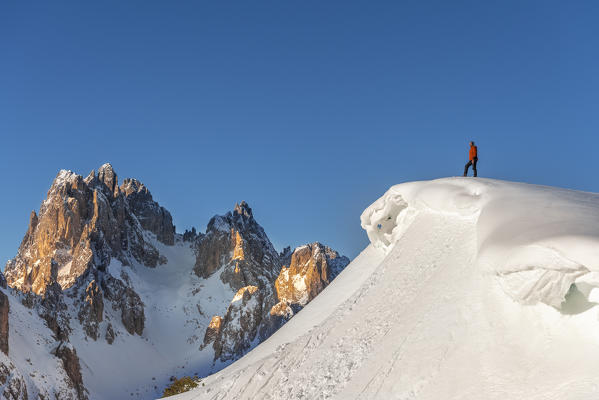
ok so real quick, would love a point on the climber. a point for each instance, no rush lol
(473, 159)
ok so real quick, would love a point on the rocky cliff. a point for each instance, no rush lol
(257, 311)
(307, 271)
(101, 265)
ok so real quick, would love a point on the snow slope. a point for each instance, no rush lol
(470, 289)
(132, 367)
(140, 366)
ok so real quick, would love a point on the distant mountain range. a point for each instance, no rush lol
(105, 300)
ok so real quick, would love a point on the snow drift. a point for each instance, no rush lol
(471, 289)
(537, 240)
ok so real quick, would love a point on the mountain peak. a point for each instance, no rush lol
(106, 167)
(83, 223)
(243, 209)
(108, 177)
(64, 176)
(132, 185)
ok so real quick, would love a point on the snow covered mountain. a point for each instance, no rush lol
(470, 289)
(104, 300)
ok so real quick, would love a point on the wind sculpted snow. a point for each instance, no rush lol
(538, 240)
(471, 289)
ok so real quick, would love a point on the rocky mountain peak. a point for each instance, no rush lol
(63, 178)
(82, 224)
(243, 209)
(133, 186)
(150, 214)
(90, 177)
(240, 219)
(108, 177)
(239, 245)
(65, 182)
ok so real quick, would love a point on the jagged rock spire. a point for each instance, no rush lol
(243, 209)
(235, 240)
(151, 215)
(108, 177)
(29, 235)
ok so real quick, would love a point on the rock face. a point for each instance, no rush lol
(213, 330)
(110, 335)
(91, 312)
(53, 309)
(239, 328)
(236, 245)
(12, 383)
(70, 361)
(150, 214)
(310, 269)
(82, 224)
(125, 299)
(4, 310)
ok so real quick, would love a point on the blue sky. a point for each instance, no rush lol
(308, 110)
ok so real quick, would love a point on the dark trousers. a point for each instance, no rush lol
(473, 163)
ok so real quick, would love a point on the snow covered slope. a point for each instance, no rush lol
(471, 289)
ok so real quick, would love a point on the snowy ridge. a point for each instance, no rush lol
(471, 289)
(539, 240)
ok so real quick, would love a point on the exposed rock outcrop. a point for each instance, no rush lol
(306, 272)
(91, 312)
(190, 235)
(132, 308)
(213, 330)
(239, 245)
(257, 310)
(52, 308)
(110, 334)
(3, 283)
(4, 311)
(68, 355)
(240, 325)
(150, 214)
(12, 383)
(125, 299)
(108, 177)
(310, 269)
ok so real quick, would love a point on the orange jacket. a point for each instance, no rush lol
(473, 153)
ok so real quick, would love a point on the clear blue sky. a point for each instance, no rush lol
(308, 110)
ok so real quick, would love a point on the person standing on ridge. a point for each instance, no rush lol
(473, 159)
